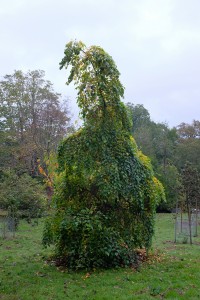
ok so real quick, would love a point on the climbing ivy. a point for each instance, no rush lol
(105, 191)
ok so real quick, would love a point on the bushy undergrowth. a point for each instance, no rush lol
(22, 193)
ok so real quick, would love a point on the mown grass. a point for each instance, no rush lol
(173, 271)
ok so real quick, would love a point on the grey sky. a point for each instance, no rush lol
(155, 44)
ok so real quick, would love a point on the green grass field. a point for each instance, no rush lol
(173, 271)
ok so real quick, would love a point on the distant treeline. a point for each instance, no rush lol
(169, 149)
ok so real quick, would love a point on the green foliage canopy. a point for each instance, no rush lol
(105, 190)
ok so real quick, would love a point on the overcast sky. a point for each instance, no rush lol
(155, 44)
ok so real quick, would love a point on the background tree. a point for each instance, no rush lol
(32, 119)
(191, 181)
(172, 182)
(141, 128)
(157, 141)
(105, 191)
(188, 144)
(139, 115)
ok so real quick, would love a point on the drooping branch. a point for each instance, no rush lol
(95, 75)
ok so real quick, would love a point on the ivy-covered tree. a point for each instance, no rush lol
(105, 191)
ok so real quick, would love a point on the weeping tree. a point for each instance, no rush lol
(105, 191)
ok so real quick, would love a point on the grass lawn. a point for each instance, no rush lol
(174, 273)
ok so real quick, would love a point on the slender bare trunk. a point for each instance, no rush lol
(189, 218)
(175, 227)
(196, 218)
